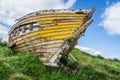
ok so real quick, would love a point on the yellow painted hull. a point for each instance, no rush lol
(48, 35)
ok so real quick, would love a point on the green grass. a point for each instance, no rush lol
(25, 66)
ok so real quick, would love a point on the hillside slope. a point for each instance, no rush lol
(25, 66)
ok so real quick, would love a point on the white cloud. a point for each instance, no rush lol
(3, 32)
(10, 10)
(111, 19)
(89, 50)
(96, 52)
(112, 57)
(13, 9)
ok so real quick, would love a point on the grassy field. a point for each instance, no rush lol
(25, 66)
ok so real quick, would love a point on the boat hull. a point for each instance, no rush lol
(49, 36)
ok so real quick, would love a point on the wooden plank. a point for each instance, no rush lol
(49, 36)
(45, 46)
(51, 50)
(50, 29)
(36, 41)
(50, 17)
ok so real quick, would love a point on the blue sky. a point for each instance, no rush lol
(101, 37)
(96, 35)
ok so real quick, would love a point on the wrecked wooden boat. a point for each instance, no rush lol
(50, 34)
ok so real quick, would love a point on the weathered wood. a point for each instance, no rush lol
(50, 35)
